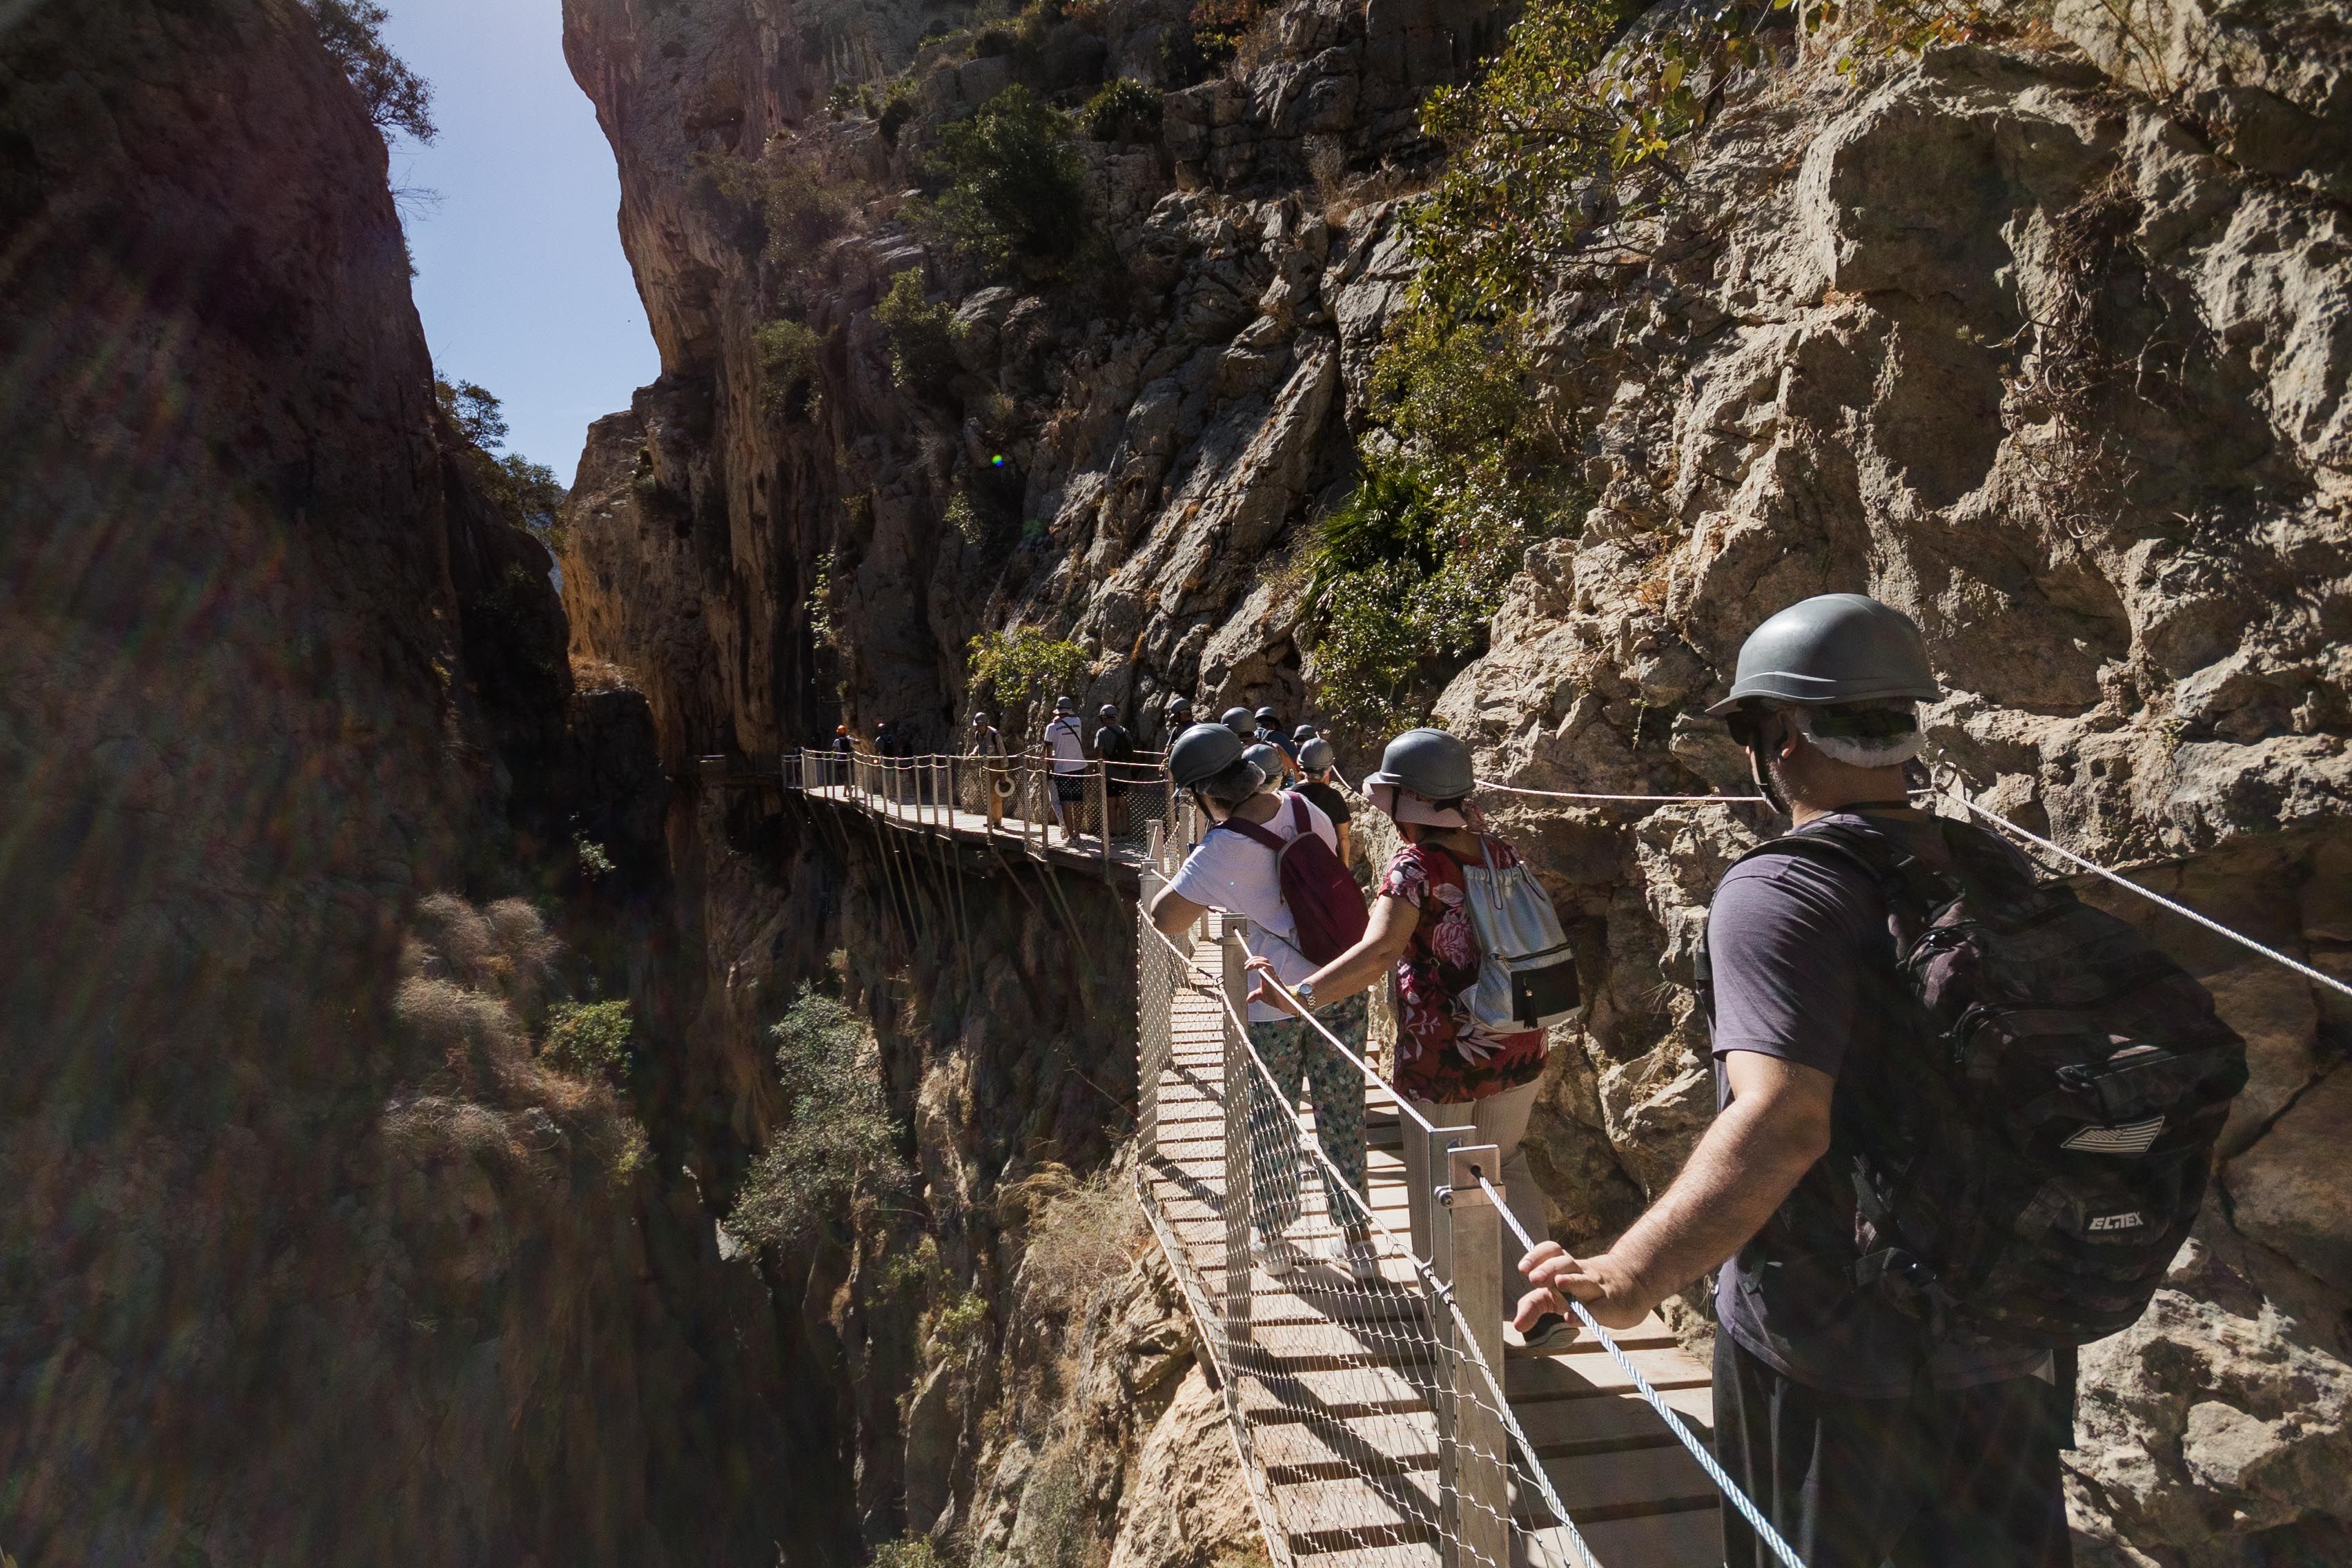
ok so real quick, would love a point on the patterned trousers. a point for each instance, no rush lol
(1292, 1049)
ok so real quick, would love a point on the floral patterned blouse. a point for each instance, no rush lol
(1437, 1057)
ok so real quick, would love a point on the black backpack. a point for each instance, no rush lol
(2033, 1139)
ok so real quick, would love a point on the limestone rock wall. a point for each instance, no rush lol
(2024, 355)
(302, 1258)
(2055, 364)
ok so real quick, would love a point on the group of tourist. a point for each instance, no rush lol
(1879, 1407)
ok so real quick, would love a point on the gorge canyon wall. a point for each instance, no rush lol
(315, 1252)
(304, 1255)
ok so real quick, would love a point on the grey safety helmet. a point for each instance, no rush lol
(1267, 716)
(1202, 753)
(978, 719)
(1304, 733)
(1315, 753)
(1268, 760)
(1064, 705)
(1106, 713)
(1431, 763)
(1829, 649)
(1241, 722)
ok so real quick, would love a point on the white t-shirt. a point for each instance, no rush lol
(1233, 872)
(1069, 746)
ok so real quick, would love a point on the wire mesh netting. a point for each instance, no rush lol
(1362, 1379)
(1360, 1392)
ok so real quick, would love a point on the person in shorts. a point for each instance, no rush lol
(1233, 872)
(1067, 744)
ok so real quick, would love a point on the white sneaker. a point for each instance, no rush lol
(1277, 1255)
(1551, 1333)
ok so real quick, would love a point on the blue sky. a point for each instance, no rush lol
(520, 275)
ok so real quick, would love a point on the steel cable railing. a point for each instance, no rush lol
(1698, 1450)
(1381, 1418)
(1358, 1385)
(1347, 1377)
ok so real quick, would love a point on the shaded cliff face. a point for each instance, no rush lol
(2059, 369)
(304, 1258)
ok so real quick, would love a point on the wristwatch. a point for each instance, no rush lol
(1304, 992)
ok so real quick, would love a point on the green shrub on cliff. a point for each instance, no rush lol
(838, 1154)
(397, 99)
(772, 208)
(788, 355)
(526, 494)
(1124, 110)
(920, 336)
(588, 1039)
(1010, 670)
(1467, 468)
(1011, 185)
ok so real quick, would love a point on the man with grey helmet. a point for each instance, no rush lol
(1867, 1439)
(1456, 1071)
(1232, 871)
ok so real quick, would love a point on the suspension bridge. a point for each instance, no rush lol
(1381, 1422)
(1381, 1419)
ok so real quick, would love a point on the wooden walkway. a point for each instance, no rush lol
(1348, 1355)
(1039, 841)
(1337, 1390)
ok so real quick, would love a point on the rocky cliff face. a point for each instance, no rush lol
(2044, 342)
(305, 1256)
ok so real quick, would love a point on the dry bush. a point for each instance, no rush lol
(1081, 1234)
(467, 972)
(1326, 165)
(1065, 1527)
(600, 674)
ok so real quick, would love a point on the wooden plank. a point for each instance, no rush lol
(1379, 1491)
(1328, 1395)
(1356, 1513)
(1419, 1554)
(1331, 1450)
(1562, 1427)
(1535, 1379)
(1629, 1482)
(1690, 1539)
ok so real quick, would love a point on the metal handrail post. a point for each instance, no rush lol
(1236, 1091)
(1478, 1502)
(1101, 787)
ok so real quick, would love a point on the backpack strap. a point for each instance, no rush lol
(1914, 889)
(1254, 833)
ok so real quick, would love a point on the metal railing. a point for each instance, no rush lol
(1360, 1372)
(1360, 1368)
(1110, 810)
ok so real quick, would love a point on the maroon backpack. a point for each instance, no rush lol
(1323, 900)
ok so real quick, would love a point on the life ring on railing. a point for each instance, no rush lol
(1003, 785)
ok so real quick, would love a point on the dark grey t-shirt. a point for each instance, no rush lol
(1800, 949)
